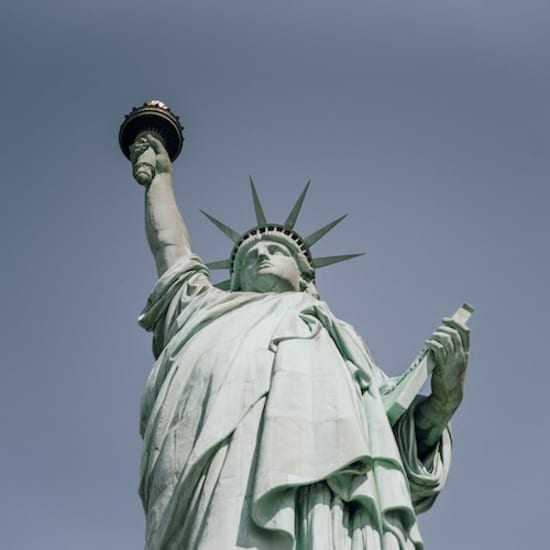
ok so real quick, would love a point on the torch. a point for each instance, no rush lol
(153, 117)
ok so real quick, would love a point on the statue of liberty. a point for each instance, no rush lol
(265, 419)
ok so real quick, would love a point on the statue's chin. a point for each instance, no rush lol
(268, 282)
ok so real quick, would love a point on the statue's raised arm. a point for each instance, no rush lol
(166, 231)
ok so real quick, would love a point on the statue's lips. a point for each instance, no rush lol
(264, 264)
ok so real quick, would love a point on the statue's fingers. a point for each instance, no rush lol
(140, 142)
(463, 331)
(139, 147)
(156, 144)
(445, 340)
(438, 351)
(454, 335)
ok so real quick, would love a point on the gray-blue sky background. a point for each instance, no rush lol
(427, 121)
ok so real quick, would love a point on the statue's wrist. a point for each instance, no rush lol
(444, 405)
(162, 178)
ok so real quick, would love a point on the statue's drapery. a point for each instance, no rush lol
(264, 428)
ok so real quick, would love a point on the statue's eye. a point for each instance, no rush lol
(275, 249)
(251, 257)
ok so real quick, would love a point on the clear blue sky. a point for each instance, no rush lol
(427, 121)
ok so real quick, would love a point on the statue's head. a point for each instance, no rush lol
(272, 261)
(273, 257)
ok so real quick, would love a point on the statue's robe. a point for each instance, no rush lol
(264, 428)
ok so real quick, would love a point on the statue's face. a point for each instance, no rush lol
(269, 267)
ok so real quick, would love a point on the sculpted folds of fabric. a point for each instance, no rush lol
(264, 428)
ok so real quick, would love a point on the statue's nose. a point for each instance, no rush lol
(263, 252)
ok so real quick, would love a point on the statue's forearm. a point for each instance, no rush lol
(166, 231)
(431, 419)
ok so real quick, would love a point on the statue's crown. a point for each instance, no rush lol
(284, 232)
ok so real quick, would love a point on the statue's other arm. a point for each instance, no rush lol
(449, 345)
(166, 231)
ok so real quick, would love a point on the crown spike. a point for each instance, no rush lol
(231, 233)
(314, 237)
(260, 216)
(293, 216)
(329, 260)
(221, 264)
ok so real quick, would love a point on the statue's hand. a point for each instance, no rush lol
(149, 159)
(449, 345)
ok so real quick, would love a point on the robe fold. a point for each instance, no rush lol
(264, 428)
